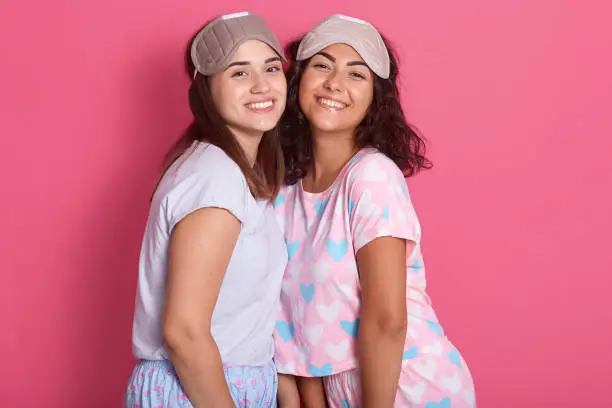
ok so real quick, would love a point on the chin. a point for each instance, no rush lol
(262, 124)
(260, 127)
(266, 122)
(326, 126)
(268, 125)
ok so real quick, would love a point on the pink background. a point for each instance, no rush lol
(514, 96)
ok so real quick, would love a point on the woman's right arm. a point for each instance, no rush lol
(201, 246)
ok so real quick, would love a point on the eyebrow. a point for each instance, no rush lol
(333, 59)
(242, 63)
(326, 55)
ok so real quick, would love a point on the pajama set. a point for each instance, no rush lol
(319, 319)
(244, 316)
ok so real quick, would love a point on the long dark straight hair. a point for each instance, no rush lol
(265, 178)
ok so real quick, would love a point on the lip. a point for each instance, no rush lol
(331, 99)
(261, 110)
(331, 108)
(260, 100)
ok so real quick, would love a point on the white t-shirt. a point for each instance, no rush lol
(245, 313)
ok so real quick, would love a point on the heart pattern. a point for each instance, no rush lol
(320, 271)
(280, 199)
(452, 383)
(385, 214)
(292, 248)
(323, 371)
(411, 353)
(426, 370)
(320, 319)
(339, 351)
(285, 330)
(443, 403)
(308, 292)
(337, 249)
(436, 328)
(349, 327)
(328, 313)
(414, 392)
(320, 206)
(455, 358)
(313, 334)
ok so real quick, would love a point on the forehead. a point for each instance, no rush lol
(342, 51)
(253, 50)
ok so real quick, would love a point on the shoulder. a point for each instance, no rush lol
(288, 190)
(371, 167)
(204, 176)
(208, 159)
(205, 167)
(285, 198)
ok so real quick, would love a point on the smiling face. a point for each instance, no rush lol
(336, 89)
(250, 94)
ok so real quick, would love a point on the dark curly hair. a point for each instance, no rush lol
(384, 126)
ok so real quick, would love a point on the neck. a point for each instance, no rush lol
(249, 141)
(330, 153)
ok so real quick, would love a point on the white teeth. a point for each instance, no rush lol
(331, 104)
(260, 105)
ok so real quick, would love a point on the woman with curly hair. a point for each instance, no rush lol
(357, 327)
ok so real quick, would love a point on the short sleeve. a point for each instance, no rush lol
(216, 183)
(379, 202)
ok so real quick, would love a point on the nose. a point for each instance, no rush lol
(260, 84)
(333, 82)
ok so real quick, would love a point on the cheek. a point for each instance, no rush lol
(233, 96)
(224, 103)
(364, 99)
(280, 85)
(308, 83)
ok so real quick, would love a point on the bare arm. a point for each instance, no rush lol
(200, 249)
(382, 328)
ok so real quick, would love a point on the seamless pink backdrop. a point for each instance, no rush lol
(514, 98)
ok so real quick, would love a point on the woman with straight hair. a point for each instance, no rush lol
(212, 255)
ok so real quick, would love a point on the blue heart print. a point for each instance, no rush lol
(405, 189)
(412, 352)
(284, 330)
(455, 358)
(322, 371)
(385, 214)
(292, 247)
(280, 199)
(351, 206)
(349, 327)
(436, 328)
(444, 403)
(320, 206)
(308, 292)
(337, 250)
(416, 265)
